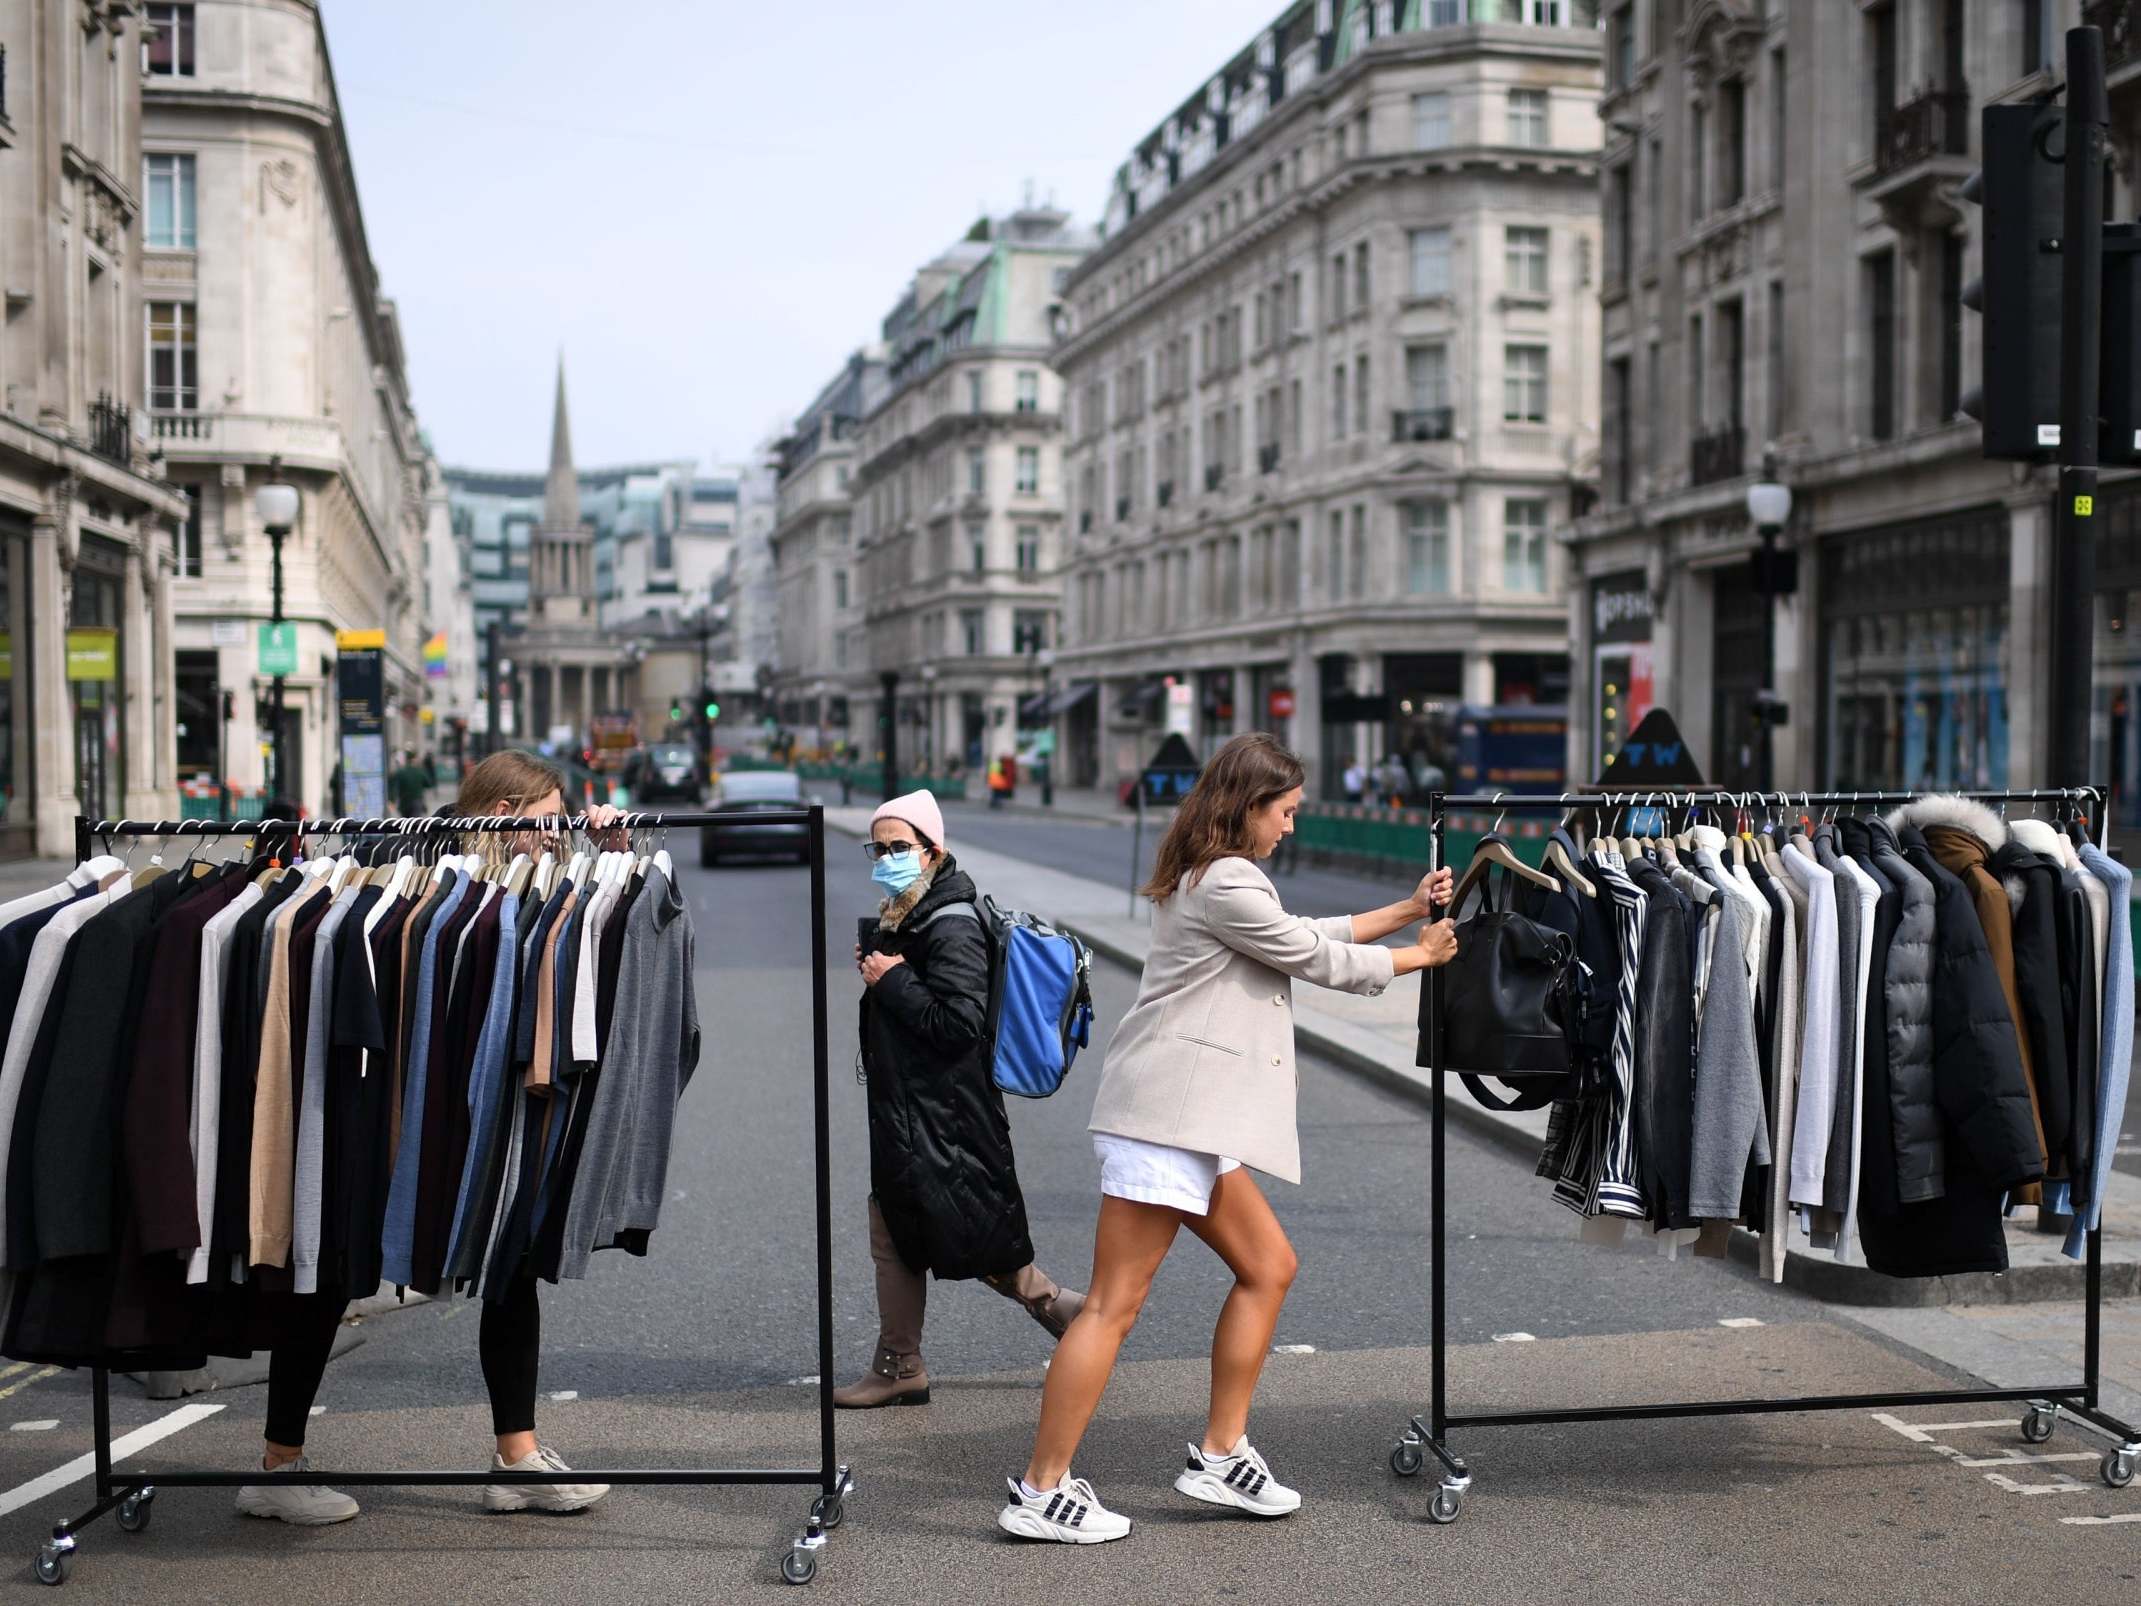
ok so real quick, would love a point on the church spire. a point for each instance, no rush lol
(561, 494)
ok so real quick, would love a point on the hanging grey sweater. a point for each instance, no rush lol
(652, 1050)
(1729, 1131)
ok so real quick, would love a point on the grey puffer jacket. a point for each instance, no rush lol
(1913, 1102)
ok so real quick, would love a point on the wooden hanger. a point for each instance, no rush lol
(1557, 859)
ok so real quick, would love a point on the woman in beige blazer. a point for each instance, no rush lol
(1199, 1084)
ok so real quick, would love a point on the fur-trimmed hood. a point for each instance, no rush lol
(1957, 812)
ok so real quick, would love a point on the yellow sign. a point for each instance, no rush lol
(7, 656)
(2084, 507)
(93, 653)
(352, 640)
(425, 716)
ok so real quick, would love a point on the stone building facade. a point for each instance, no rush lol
(1786, 248)
(270, 347)
(1332, 393)
(821, 690)
(958, 492)
(88, 706)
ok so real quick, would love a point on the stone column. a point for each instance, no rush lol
(1305, 730)
(146, 727)
(56, 802)
(1479, 678)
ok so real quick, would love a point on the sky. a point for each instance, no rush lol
(707, 204)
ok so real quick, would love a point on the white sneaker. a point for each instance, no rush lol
(1069, 1514)
(306, 1504)
(556, 1498)
(1241, 1480)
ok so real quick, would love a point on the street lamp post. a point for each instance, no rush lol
(276, 504)
(1047, 657)
(1776, 574)
(888, 722)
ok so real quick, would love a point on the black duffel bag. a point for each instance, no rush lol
(1506, 999)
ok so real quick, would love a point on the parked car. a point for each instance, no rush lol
(666, 772)
(740, 796)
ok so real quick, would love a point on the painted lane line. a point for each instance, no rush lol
(37, 1376)
(2060, 1484)
(1740, 1321)
(317, 1410)
(46, 1426)
(565, 1396)
(1922, 1432)
(810, 1381)
(1293, 1349)
(2021, 1458)
(83, 1465)
(1515, 1338)
(2098, 1522)
(10, 1371)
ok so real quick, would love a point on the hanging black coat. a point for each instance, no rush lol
(2034, 892)
(1989, 1134)
(940, 1143)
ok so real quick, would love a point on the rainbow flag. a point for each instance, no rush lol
(435, 657)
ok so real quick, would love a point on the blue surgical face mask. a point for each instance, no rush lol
(896, 872)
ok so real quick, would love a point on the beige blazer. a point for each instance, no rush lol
(1204, 1059)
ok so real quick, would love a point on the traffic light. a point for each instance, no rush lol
(2021, 188)
(706, 699)
(676, 712)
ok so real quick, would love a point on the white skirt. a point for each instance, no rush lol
(1154, 1173)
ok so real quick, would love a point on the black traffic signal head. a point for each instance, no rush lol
(2021, 188)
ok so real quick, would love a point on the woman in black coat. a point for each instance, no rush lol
(944, 1194)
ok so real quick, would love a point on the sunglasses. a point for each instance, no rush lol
(878, 850)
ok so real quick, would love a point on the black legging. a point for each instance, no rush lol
(510, 1343)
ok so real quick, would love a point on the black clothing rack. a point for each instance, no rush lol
(1431, 1434)
(130, 1492)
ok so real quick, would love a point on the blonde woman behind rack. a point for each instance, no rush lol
(511, 784)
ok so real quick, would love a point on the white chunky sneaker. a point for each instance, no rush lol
(1240, 1479)
(1068, 1514)
(556, 1498)
(306, 1504)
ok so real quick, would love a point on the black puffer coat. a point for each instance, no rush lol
(1989, 1134)
(940, 1144)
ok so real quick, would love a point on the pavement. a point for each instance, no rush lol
(705, 1354)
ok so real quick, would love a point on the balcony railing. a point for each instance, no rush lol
(2120, 21)
(1935, 123)
(1423, 424)
(110, 429)
(1719, 455)
(1213, 475)
(1166, 493)
(1267, 458)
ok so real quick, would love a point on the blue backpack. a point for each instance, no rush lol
(1040, 996)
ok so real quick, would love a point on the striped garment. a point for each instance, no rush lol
(1620, 1189)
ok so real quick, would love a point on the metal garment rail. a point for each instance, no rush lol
(130, 1492)
(2046, 1404)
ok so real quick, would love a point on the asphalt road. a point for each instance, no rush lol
(694, 1355)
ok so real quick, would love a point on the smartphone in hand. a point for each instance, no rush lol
(867, 934)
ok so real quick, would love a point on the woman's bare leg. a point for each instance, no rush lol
(1128, 1246)
(1243, 1232)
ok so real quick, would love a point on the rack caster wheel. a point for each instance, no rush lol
(827, 1514)
(2037, 1425)
(2118, 1467)
(52, 1564)
(1407, 1458)
(134, 1511)
(799, 1566)
(1444, 1507)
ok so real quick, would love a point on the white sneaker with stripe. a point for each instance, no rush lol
(1240, 1479)
(1068, 1514)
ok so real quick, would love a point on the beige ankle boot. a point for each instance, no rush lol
(894, 1379)
(1053, 1307)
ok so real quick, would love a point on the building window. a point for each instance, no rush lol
(1445, 13)
(1698, 165)
(1780, 138)
(1524, 545)
(1335, 573)
(1029, 628)
(1338, 402)
(1732, 133)
(1527, 117)
(1029, 549)
(1358, 570)
(977, 473)
(977, 541)
(1427, 377)
(973, 392)
(189, 533)
(1293, 417)
(1620, 430)
(1360, 392)
(1524, 384)
(840, 588)
(174, 363)
(1430, 121)
(1881, 344)
(1427, 549)
(1361, 296)
(2038, 50)
(1029, 391)
(170, 189)
(1293, 302)
(1524, 260)
(1698, 403)
(1951, 325)
(1620, 223)
(1029, 471)
(167, 41)
(1776, 358)
(1430, 261)
(1654, 178)
(970, 631)
(1620, 49)
(1338, 287)
(1732, 343)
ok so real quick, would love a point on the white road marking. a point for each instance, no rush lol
(2098, 1522)
(1922, 1432)
(1515, 1338)
(2019, 1458)
(317, 1410)
(1293, 1349)
(810, 1381)
(2060, 1484)
(82, 1466)
(565, 1396)
(46, 1426)
(1740, 1321)
(37, 1376)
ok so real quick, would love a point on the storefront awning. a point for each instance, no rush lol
(1138, 701)
(1044, 706)
(1071, 696)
